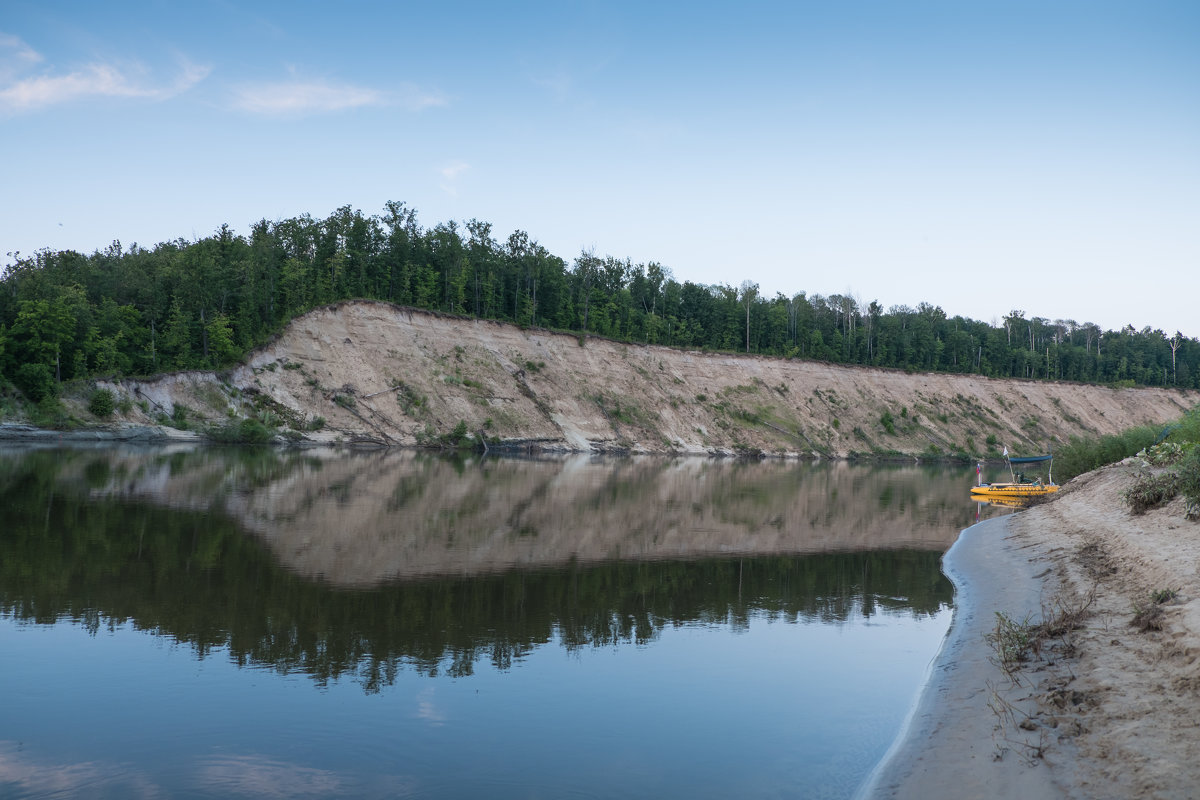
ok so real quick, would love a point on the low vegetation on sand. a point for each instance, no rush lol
(1170, 455)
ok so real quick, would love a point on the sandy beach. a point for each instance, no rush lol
(1108, 709)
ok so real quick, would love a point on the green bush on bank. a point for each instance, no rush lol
(101, 403)
(1174, 443)
(246, 431)
(1151, 491)
(1189, 481)
(1084, 455)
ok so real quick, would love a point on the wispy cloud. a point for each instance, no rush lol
(20, 91)
(15, 55)
(427, 708)
(558, 83)
(319, 97)
(450, 174)
(260, 776)
(413, 98)
(46, 778)
(304, 97)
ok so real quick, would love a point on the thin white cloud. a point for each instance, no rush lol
(15, 55)
(303, 98)
(427, 708)
(20, 92)
(260, 776)
(452, 171)
(319, 97)
(45, 778)
(413, 98)
(450, 174)
(559, 83)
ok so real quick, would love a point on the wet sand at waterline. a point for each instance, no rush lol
(1108, 710)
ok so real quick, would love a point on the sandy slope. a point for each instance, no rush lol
(378, 373)
(1135, 697)
(1106, 711)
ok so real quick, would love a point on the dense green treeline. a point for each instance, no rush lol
(202, 304)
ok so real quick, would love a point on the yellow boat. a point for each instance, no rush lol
(1035, 489)
(1018, 487)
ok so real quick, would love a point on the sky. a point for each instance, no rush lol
(979, 156)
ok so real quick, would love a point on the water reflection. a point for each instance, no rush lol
(730, 629)
(158, 558)
(362, 519)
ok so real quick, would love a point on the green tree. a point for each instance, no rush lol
(222, 349)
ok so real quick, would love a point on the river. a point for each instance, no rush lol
(203, 622)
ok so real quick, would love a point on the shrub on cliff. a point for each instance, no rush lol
(101, 403)
(247, 431)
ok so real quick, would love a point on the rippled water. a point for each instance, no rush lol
(212, 623)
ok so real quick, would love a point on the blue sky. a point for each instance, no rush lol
(980, 156)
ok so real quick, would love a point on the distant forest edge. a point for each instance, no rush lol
(204, 304)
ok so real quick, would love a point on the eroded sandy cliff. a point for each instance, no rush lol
(376, 373)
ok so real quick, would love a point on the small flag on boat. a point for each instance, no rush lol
(1006, 451)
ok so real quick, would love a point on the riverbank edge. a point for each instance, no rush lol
(19, 433)
(23, 433)
(960, 740)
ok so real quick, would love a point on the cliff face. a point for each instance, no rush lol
(381, 374)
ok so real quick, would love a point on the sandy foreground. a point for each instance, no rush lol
(1108, 710)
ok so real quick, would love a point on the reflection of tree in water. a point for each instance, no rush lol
(197, 578)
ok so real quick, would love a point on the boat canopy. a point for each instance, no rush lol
(1029, 459)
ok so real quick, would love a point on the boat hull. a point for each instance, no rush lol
(1013, 489)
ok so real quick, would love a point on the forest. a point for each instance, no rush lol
(202, 304)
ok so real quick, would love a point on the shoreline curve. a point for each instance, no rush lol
(954, 745)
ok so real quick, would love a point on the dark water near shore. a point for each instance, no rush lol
(208, 623)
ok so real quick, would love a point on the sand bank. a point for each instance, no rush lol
(1108, 710)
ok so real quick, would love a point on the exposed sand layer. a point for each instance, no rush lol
(373, 373)
(1108, 710)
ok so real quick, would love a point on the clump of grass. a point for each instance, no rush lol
(411, 402)
(179, 417)
(49, 412)
(1015, 641)
(1011, 640)
(888, 422)
(1189, 482)
(457, 439)
(1151, 491)
(1149, 616)
(246, 431)
(1164, 595)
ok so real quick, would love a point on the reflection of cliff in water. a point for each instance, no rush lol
(362, 518)
(197, 578)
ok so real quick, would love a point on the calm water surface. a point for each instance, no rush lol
(209, 623)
